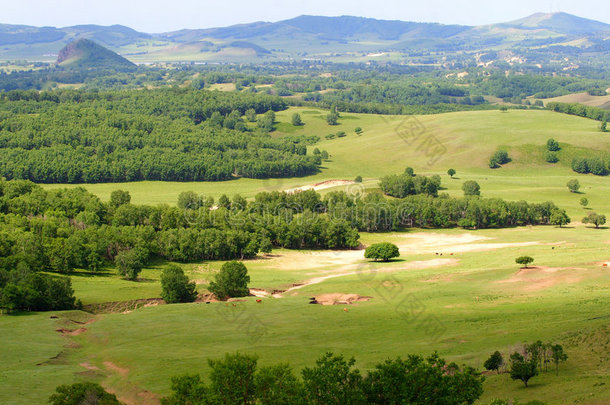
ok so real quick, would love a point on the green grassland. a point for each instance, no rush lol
(468, 139)
(476, 299)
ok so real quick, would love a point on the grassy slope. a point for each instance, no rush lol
(469, 138)
(479, 314)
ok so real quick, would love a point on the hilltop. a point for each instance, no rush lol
(341, 38)
(84, 53)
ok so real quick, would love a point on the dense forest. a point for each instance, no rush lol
(166, 134)
(67, 229)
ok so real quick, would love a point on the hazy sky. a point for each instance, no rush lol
(163, 15)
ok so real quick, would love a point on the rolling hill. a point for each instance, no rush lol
(309, 36)
(84, 53)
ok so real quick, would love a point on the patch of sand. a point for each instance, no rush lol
(321, 186)
(540, 278)
(259, 293)
(338, 299)
(89, 366)
(116, 369)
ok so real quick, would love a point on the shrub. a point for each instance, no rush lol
(471, 188)
(175, 285)
(551, 157)
(232, 281)
(382, 251)
(573, 185)
(552, 145)
(82, 393)
(494, 362)
(358, 179)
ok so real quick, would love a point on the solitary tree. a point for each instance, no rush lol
(451, 172)
(494, 362)
(251, 115)
(471, 188)
(524, 260)
(552, 145)
(409, 171)
(522, 369)
(603, 126)
(358, 130)
(175, 285)
(382, 251)
(595, 219)
(232, 281)
(573, 185)
(296, 120)
(584, 202)
(558, 356)
(232, 379)
(358, 179)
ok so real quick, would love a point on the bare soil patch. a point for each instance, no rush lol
(540, 278)
(116, 369)
(338, 299)
(322, 185)
(71, 332)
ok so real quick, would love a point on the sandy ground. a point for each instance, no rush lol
(321, 186)
(540, 278)
(339, 299)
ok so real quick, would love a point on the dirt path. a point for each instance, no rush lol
(360, 268)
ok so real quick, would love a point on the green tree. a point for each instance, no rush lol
(603, 126)
(187, 390)
(83, 393)
(552, 145)
(118, 198)
(190, 200)
(251, 115)
(224, 202)
(277, 385)
(558, 356)
(382, 251)
(232, 379)
(358, 179)
(573, 185)
(333, 381)
(559, 217)
(232, 281)
(176, 286)
(358, 131)
(471, 188)
(551, 157)
(451, 172)
(494, 362)
(584, 202)
(595, 219)
(130, 262)
(524, 261)
(409, 171)
(296, 120)
(522, 369)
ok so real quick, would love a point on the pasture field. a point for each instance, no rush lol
(465, 304)
(468, 139)
(477, 300)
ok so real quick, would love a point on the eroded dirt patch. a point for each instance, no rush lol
(338, 299)
(71, 332)
(540, 278)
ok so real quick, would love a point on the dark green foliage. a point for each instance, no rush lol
(573, 185)
(83, 393)
(595, 219)
(165, 134)
(402, 185)
(358, 179)
(552, 145)
(471, 188)
(382, 251)
(523, 368)
(358, 131)
(187, 390)
(130, 262)
(175, 285)
(232, 379)
(296, 120)
(559, 217)
(558, 356)
(551, 157)
(232, 281)
(235, 379)
(422, 381)
(37, 292)
(118, 198)
(603, 127)
(409, 171)
(584, 202)
(451, 172)
(499, 158)
(333, 381)
(494, 362)
(581, 110)
(524, 260)
(277, 385)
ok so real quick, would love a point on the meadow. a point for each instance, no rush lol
(465, 304)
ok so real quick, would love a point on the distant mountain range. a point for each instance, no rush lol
(353, 38)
